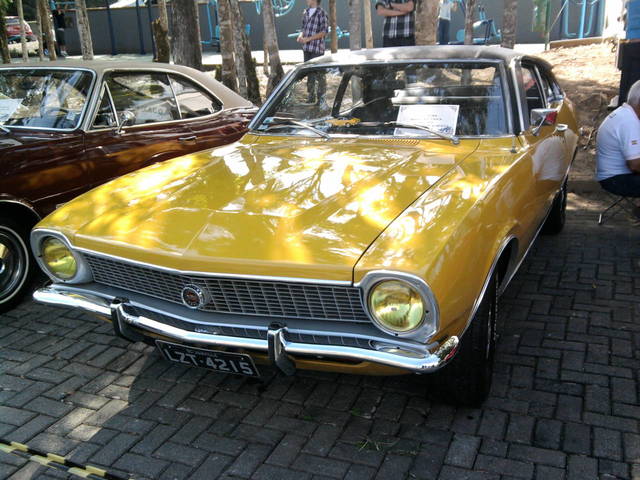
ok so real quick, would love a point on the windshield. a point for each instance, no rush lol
(458, 98)
(43, 98)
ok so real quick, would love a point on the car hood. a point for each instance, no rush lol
(274, 206)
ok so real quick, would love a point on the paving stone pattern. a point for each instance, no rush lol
(564, 403)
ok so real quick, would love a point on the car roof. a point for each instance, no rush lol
(228, 97)
(427, 52)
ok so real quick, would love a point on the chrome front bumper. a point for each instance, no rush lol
(277, 346)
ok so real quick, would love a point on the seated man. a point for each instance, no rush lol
(618, 148)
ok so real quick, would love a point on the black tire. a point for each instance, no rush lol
(466, 380)
(16, 263)
(557, 216)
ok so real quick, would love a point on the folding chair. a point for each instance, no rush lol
(621, 203)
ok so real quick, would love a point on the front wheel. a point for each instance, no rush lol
(16, 263)
(557, 216)
(467, 379)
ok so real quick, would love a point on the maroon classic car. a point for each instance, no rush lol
(70, 126)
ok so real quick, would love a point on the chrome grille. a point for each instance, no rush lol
(236, 296)
(260, 333)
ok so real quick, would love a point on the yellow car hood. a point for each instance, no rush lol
(287, 207)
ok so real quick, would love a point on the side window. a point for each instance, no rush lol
(148, 96)
(105, 117)
(553, 91)
(532, 90)
(192, 100)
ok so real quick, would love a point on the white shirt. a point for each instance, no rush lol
(445, 9)
(618, 141)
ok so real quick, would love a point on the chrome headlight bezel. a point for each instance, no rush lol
(430, 321)
(83, 272)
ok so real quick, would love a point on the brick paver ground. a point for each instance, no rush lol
(564, 402)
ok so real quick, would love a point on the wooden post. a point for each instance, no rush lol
(426, 18)
(355, 24)
(84, 29)
(23, 33)
(333, 23)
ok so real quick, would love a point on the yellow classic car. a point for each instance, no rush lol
(367, 223)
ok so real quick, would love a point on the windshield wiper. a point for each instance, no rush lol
(286, 121)
(452, 138)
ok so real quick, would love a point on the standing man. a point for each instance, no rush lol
(314, 28)
(59, 24)
(444, 20)
(399, 25)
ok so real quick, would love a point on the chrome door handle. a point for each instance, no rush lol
(191, 138)
(562, 127)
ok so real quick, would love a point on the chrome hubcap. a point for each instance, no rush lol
(13, 264)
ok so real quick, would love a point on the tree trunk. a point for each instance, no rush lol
(162, 14)
(470, 8)
(84, 29)
(271, 42)
(39, 35)
(333, 25)
(368, 30)
(426, 22)
(4, 45)
(161, 36)
(47, 28)
(355, 24)
(253, 85)
(509, 22)
(185, 29)
(237, 23)
(23, 33)
(228, 72)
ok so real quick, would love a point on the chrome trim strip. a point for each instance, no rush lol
(85, 107)
(190, 272)
(419, 363)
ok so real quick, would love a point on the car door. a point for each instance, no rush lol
(151, 129)
(548, 145)
(203, 113)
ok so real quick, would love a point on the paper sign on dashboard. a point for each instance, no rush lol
(439, 118)
(8, 106)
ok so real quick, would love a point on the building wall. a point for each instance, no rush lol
(128, 29)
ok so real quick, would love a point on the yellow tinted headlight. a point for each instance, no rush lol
(58, 258)
(396, 306)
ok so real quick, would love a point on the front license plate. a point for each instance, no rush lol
(224, 362)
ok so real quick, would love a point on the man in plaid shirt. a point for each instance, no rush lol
(314, 28)
(399, 27)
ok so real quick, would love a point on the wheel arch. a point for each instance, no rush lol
(18, 210)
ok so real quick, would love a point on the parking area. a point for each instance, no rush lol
(564, 403)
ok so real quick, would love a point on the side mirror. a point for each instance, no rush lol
(541, 117)
(125, 119)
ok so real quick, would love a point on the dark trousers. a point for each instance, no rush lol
(625, 185)
(399, 41)
(314, 79)
(443, 31)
